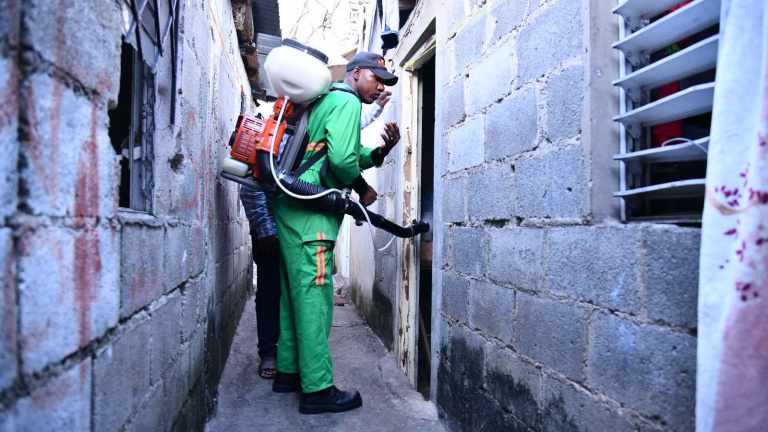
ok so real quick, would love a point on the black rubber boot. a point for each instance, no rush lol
(329, 400)
(286, 382)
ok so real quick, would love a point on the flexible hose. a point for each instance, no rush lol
(330, 199)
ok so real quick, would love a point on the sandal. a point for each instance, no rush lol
(268, 368)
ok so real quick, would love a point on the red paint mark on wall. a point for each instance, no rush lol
(87, 254)
(46, 398)
(193, 202)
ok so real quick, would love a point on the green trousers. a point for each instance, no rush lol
(306, 310)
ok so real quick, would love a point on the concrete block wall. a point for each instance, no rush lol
(553, 317)
(112, 319)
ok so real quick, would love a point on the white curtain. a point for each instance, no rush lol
(732, 370)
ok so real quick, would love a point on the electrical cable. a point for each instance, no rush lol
(226, 51)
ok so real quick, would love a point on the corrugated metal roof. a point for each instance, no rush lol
(264, 44)
(266, 17)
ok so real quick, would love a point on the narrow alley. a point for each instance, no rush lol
(577, 189)
(360, 361)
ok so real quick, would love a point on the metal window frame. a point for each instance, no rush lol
(140, 33)
(637, 115)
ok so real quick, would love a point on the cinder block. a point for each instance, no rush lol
(469, 252)
(512, 126)
(465, 145)
(93, 57)
(515, 384)
(460, 399)
(455, 296)
(197, 355)
(453, 103)
(455, 13)
(672, 274)
(492, 310)
(461, 406)
(8, 313)
(176, 385)
(516, 257)
(193, 415)
(446, 249)
(491, 79)
(550, 185)
(64, 404)
(121, 378)
(141, 267)
(153, 415)
(190, 308)
(68, 159)
(490, 194)
(9, 145)
(552, 333)
(190, 181)
(198, 251)
(599, 265)
(178, 256)
(68, 292)
(548, 40)
(165, 326)
(463, 353)
(566, 408)
(565, 94)
(507, 15)
(454, 193)
(649, 368)
(469, 43)
(225, 240)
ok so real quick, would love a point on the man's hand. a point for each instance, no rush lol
(390, 136)
(383, 98)
(268, 245)
(369, 196)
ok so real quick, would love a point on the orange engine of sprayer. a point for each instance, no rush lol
(255, 135)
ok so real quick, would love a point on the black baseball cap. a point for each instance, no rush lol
(374, 62)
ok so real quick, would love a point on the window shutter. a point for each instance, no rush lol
(650, 35)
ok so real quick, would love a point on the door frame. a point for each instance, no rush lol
(409, 178)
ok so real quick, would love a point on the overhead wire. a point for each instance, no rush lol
(226, 50)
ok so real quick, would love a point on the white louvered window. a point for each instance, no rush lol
(667, 72)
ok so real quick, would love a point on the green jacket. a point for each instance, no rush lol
(334, 122)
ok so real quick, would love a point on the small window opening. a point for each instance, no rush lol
(131, 127)
(120, 124)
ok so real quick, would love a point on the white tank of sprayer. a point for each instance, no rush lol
(297, 71)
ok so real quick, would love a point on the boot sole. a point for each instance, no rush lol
(285, 388)
(318, 409)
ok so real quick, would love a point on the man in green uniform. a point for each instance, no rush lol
(307, 236)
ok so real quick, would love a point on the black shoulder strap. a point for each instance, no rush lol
(301, 169)
(311, 161)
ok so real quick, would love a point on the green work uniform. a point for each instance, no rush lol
(307, 237)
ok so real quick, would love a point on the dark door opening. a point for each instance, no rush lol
(427, 148)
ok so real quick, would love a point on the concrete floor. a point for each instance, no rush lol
(360, 362)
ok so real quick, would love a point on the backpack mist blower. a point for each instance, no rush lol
(298, 74)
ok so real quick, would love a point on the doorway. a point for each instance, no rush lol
(426, 177)
(413, 335)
